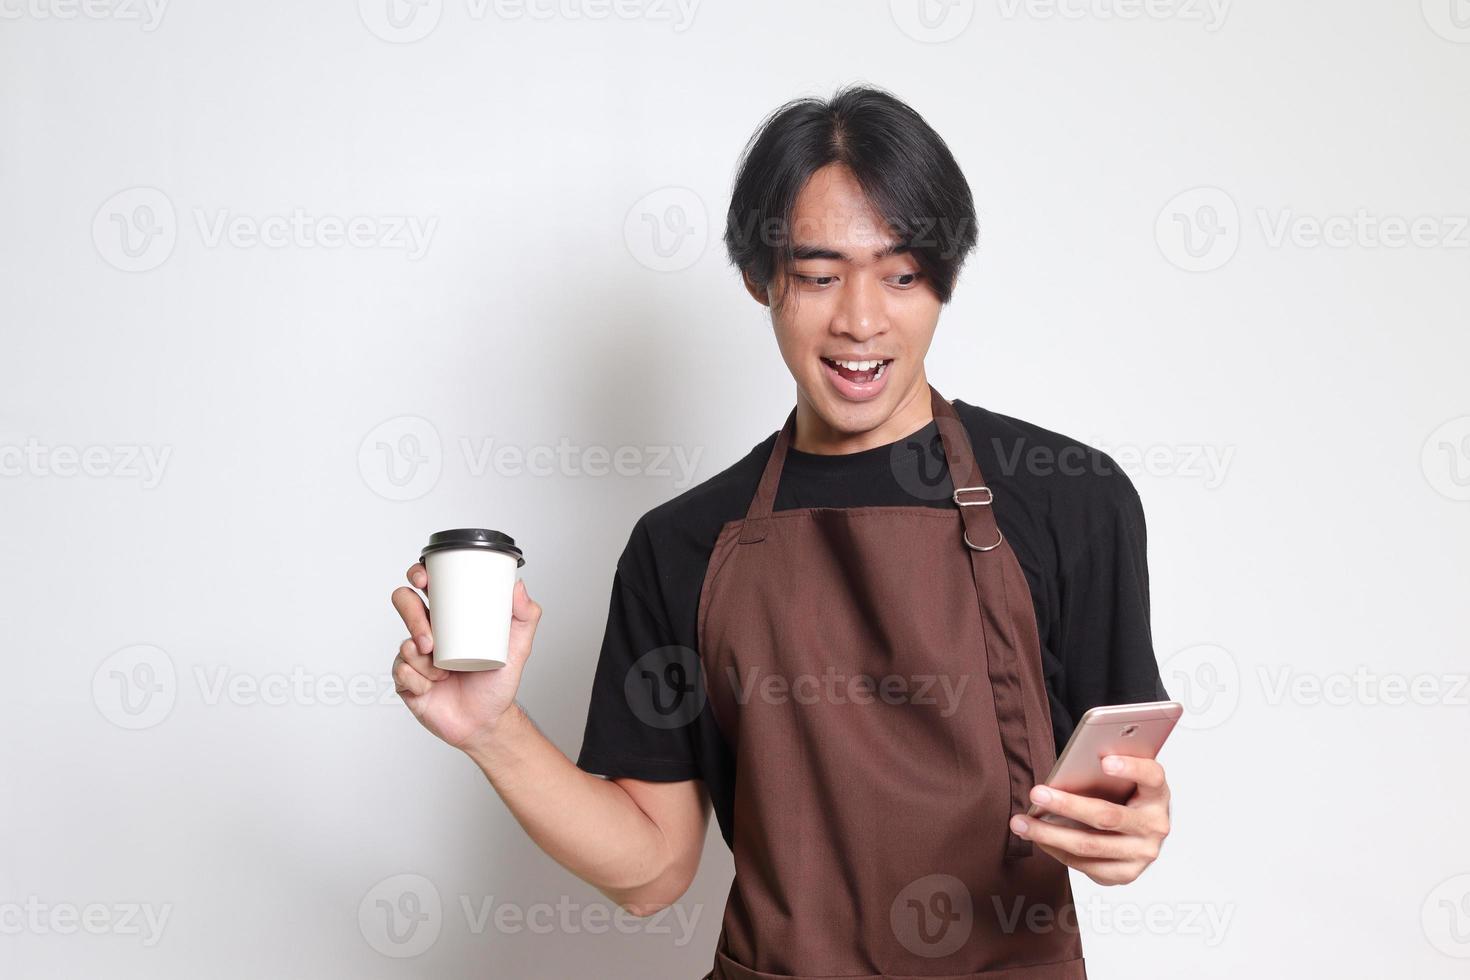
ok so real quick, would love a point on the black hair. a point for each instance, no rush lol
(903, 166)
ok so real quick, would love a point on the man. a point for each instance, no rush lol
(861, 644)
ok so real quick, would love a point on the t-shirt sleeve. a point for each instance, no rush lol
(1107, 647)
(636, 724)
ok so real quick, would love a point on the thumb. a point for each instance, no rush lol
(525, 613)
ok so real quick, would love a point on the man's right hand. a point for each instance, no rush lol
(461, 707)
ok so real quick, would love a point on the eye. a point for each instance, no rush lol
(908, 279)
(818, 281)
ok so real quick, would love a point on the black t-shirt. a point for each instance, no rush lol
(1070, 514)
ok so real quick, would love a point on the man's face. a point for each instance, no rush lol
(850, 297)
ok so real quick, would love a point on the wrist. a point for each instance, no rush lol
(482, 745)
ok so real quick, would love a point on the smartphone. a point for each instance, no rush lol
(1110, 729)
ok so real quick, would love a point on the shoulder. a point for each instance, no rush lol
(682, 530)
(721, 497)
(1075, 484)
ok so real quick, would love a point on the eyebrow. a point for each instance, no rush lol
(822, 252)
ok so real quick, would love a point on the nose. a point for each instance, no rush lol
(860, 313)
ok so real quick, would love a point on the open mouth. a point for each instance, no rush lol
(858, 372)
(857, 381)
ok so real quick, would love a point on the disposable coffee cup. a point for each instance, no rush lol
(472, 575)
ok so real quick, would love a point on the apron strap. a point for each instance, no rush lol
(758, 516)
(1021, 737)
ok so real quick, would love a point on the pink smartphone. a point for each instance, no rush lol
(1111, 729)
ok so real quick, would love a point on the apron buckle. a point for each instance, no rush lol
(989, 499)
(989, 547)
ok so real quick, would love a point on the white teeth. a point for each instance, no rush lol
(858, 365)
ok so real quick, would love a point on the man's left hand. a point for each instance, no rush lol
(1111, 843)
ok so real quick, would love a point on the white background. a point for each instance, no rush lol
(1300, 582)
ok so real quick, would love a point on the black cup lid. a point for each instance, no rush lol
(473, 537)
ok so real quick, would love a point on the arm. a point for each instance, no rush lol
(1108, 658)
(637, 842)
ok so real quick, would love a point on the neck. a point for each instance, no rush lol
(815, 435)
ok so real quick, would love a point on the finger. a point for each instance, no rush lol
(525, 615)
(1066, 857)
(1147, 773)
(1059, 821)
(418, 576)
(522, 607)
(415, 616)
(407, 681)
(1095, 813)
(409, 651)
(1084, 843)
(1102, 871)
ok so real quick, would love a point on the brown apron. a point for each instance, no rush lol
(877, 673)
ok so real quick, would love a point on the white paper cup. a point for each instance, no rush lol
(472, 575)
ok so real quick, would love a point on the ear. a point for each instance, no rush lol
(755, 291)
